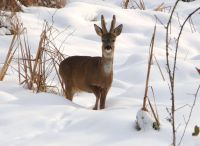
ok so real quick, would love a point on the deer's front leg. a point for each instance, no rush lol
(103, 98)
(97, 92)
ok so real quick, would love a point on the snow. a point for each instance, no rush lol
(144, 120)
(29, 119)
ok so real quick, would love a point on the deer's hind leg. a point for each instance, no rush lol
(69, 93)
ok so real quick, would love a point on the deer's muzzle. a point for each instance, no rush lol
(108, 48)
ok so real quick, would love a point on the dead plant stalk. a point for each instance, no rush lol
(9, 57)
(149, 70)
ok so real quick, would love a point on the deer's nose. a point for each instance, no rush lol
(108, 48)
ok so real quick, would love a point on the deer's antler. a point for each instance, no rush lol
(113, 24)
(103, 24)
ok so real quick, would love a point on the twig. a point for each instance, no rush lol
(159, 68)
(182, 107)
(154, 115)
(158, 19)
(154, 99)
(190, 114)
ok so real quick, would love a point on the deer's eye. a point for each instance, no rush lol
(113, 40)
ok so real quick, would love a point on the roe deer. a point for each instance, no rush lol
(92, 74)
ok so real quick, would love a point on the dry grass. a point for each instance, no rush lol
(9, 57)
(160, 7)
(139, 4)
(149, 70)
(40, 72)
(8, 21)
(11, 5)
(15, 6)
(16, 30)
(45, 3)
(156, 124)
(52, 3)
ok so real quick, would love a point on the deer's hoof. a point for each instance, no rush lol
(95, 108)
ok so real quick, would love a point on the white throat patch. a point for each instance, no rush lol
(108, 67)
(108, 54)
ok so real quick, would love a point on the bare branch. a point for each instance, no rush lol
(189, 117)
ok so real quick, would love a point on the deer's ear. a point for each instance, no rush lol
(117, 31)
(98, 30)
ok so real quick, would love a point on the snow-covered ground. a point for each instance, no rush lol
(44, 119)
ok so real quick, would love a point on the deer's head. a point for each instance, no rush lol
(108, 37)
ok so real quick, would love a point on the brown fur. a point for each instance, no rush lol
(91, 74)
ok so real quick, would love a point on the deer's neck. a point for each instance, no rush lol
(107, 65)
